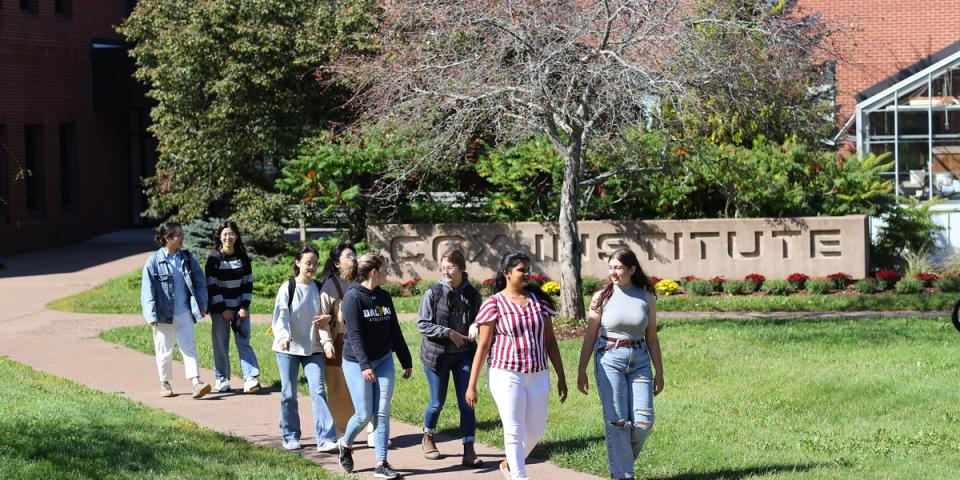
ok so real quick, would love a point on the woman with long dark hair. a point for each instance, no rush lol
(339, 274)
(516, 336)
(297, 344)
(230, 288)
(173, 297)
(622, 336)
(447, 311)
(373, 336)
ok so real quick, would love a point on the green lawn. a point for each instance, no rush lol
(51, 428)
(771, 399)
(122, 295)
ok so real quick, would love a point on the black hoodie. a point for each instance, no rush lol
(372, 328)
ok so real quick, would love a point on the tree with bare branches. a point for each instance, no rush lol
(576, 71)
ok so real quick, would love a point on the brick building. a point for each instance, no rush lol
(72, 115)
(881, 38)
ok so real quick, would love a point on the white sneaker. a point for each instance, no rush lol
(166, 390)
(328, 447)
(222, 385)
(251, 385)
(292, 445)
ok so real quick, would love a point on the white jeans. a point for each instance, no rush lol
(180, 332)
(522, 401)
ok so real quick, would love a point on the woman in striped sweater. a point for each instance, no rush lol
(516, 336)
(230, 288)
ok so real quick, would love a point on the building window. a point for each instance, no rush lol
(30, 6)
(33, 163)
(63, 8)
(68, 165)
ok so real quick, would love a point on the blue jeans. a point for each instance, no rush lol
(371, 402)
(625, 385)
(289, 366)
(458, 365)
(220, 329)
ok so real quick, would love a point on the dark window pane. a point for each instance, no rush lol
(33, 163)
(68, 164)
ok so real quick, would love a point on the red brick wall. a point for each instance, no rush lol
(881, 37)
(45, 79)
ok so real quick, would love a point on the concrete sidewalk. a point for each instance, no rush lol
(66, 345)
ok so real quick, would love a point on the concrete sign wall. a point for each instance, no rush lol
(775, 248)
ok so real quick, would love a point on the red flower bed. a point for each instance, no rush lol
(840, 280)
(490, 282)
(926, 278)
(798, 280)
(687, 278)
(409, 283)
(755, 278)
(655, 280)
(888, 277)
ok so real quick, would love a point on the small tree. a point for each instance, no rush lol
(573, 71)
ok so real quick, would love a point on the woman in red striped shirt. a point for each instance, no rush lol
(516, 336)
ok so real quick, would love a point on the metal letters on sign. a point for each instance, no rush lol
(734, 248)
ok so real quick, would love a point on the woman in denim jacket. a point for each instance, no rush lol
(624, 317)
(173, 296)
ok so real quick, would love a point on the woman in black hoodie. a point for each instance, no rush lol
(372, 336)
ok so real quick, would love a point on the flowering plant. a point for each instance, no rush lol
(926, 278)
(888, 277)
(409, 283)
(539, 280)
(798, 280)
(687, 278)
(840, 280)
(717, 283)
(490, 282)
(666, 287)
(756, 279)
(551, 287)
(654, 280)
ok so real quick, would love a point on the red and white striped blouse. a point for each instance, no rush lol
(518, 336)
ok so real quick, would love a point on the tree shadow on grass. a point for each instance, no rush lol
(747, 472)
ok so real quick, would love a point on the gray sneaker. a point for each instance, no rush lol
(200, 389)
(165, 389)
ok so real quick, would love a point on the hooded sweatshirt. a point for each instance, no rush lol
(372, 327)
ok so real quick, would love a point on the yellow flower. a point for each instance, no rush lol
(551, 287)
(667, 287)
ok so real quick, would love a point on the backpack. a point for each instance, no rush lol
(292, 285)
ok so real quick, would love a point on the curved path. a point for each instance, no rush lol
(66, 345)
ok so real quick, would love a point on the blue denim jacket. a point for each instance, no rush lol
(156, 287)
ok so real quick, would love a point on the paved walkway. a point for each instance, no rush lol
(66, 345)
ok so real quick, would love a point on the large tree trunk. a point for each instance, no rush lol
(571, 297)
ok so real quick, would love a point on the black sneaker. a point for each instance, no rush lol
(346, 458)
(384, 470)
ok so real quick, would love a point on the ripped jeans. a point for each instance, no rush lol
(625, 385)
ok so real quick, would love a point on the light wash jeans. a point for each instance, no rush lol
(625, 385)
(457, 365)
(289, 366)
(371, 402)
(521, 399)
(220, 329)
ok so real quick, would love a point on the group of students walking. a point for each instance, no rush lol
(343, 331)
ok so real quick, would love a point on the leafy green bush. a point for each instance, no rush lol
(591, 285)
(867, 286)
(738, 287)
(948, 284)
(393, 288)
(269, 275)
(777, 286)
(421, 287)
(909, 285)
(819, 286)
(699, 288)
(324, 245)
(260, 215)
(198, 237)
(909, 227)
